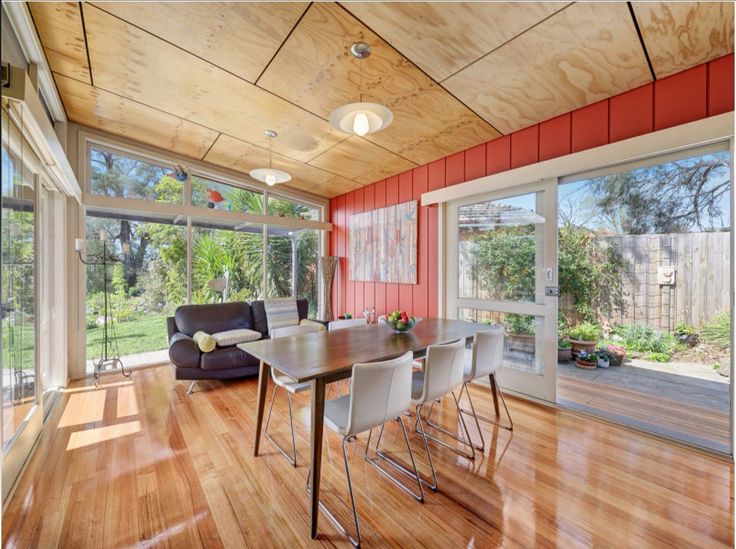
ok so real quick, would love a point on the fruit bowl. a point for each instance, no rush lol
(400, 322)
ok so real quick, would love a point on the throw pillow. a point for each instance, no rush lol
(281, 313)
(233, 337)
(204, 341)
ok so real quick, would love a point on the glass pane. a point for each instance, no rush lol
(146, 281)
(645, 276)
(115, 175)
(220, 196)
(283, 207)
(18, 299)
(520, 345)
(500, 249)
(282, 262)
(227, 264)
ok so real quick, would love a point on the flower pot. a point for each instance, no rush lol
(579, 345)
(564, 355)
(603, 363)
(585, 365)
(617, 360)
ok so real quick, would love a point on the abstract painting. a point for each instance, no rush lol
(383, 244)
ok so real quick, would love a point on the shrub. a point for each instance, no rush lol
(687, 335)
(587, 331)
(520, 324)
(718, 331)
(563, 344)
(644, 339)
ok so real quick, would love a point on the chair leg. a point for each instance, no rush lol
(467, 442)
(482, 446)
(190, 390)
(290, 458)
(434, 487)
(412, 474)
(495, 390)
(355, 541)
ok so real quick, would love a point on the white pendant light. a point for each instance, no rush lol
(361, 118)
(270, 176)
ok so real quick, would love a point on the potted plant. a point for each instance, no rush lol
(617, 354)
(564, 350)
(604, 358)
(584, 337)
(520, 332)
(587, 361)
(687, 335)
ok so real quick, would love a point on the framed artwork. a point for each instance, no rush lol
(383, 244)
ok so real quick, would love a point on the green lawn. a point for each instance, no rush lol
(17, 346)
(147, 333)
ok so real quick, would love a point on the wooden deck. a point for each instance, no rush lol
(139, 463)
(701, 425)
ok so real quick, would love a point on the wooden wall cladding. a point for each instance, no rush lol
(539, 75)
(680, 34)
(676, 100)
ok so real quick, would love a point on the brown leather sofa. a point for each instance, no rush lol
(224, 362)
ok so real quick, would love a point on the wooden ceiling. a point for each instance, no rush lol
(206, 79)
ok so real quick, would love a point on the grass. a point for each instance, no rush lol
(718, 331)
(140, 335)
(17, 354)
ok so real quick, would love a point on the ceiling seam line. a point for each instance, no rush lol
(641, 41)
(210, 147)
(420, 69)
(286, 38)
(86, 43)
(506, 42)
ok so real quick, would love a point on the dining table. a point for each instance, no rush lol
(325, 357)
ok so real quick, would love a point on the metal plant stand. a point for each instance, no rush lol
(109, 352)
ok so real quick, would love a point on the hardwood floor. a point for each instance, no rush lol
(139, 463)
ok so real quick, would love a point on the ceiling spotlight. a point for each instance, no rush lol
(361, 118)
(270, 176)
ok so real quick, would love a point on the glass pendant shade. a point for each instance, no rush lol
(361, 118)
(270, 176)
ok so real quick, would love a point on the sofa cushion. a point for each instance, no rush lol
(224, 358)
(281, 313)
(233, 337)
(212, 318)
(260, 322)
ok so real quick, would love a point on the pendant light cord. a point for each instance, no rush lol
(360, 79)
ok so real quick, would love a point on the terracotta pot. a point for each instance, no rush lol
(578, 345)
(585, 365)
(564, 355)
(617, 360)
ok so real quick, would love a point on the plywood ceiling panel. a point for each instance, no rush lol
(361, 161)
(240, 37)
(315, 70)
(680, 35)
(59, 26)
(96, 108)
(444, 37)
(582, 54)
(130, 62)
(241, 156)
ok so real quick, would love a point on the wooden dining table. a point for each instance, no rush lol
(326, 357)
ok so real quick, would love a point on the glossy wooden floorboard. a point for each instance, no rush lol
(154, 467)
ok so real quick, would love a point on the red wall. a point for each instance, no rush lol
(696, 93)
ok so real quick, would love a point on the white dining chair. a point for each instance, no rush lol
(442, 374)
(290, 385)
(346, 323)
(487, 358)
(379, 392)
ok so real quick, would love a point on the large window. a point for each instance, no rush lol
(162, 260)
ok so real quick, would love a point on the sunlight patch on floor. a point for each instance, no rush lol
(127, 402)
(84, 408)
(80, 439)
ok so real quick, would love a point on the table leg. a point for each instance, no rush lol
(494, 392)
(318, 415)
(263, 373)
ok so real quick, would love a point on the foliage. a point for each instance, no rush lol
(520, 324)
(686, 335)
(658, 357)
(643, 339)
(587, 357)
(563, 344)
(616, 350)
(587, 331)
(718, 331)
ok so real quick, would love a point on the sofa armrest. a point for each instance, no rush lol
(171, 327)
(183, 351)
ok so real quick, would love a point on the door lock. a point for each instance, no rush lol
(552, 291)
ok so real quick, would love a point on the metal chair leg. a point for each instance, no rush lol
(414, 475)
(468, 442)
(510, 426)
(355, 541)
(482, 446)
(291, 458)
(434, 487)
(190, 390)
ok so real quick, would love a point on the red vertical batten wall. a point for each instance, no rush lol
(699, 92)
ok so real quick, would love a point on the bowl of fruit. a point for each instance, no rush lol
(400, 321)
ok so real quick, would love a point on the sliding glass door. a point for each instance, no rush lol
(501, 260)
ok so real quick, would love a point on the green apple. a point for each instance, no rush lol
(400, 325)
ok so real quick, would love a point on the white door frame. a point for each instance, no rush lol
(541, 386)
